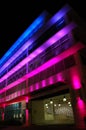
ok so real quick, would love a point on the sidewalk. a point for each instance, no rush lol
(39, 127)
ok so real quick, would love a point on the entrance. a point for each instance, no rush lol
(53, 110)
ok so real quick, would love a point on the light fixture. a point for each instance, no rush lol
(59, 104)
(20, 115)
(51, 102)
(46, 104)
(54, 105)
(64, 99)
(69, 103)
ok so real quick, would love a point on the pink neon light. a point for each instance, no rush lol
(54, 19)
(18, 93)
(76, 82)
(81, 105)
(27, 99)
(37, 86)
(23, 91)
(60, 77)
(51, 62)
(12, 101)
(31, 88)
(43, 83)
(4, 105)
(47, 82)
(48, 43)
(51, 80)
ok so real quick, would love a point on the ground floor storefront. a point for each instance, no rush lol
(51, 106)
(53, 110)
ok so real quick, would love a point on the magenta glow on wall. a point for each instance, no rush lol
(39, 50)
(75, 78)
(51, 62)
(52, 21)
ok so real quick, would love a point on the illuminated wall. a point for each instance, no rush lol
(45, 54)
(52, 21)
(24, 37)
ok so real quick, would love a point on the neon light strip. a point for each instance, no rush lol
(13, 101)
(53, 20)
(39, 50)
(44, 83)
(46, 65)
(47, 82)
(30, 30)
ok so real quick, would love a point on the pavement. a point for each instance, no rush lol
(40, 127)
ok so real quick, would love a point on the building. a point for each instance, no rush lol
(43, 75)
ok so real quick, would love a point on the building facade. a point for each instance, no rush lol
(43, 75)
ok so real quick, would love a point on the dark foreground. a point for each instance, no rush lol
(38, 127)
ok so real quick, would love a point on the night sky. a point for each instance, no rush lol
(16, 17)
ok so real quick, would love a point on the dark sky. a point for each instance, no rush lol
(15, 17)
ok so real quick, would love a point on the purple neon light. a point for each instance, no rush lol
(61, 13)
(39, 50)
(51, 62)
(54, 19)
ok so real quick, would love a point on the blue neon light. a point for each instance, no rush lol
(25, 36)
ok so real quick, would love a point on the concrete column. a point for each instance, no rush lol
(27, 117)
(77, 93)
(78, 109)
(2, 115)
(27, 113)
(3, 112)
(78, 102)
(30, 111)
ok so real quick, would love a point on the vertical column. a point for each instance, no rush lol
(77, 94)
(30, 112)
(3, 115)
(3, 112)
(27, 113)
(26, 91)
(78, 108)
